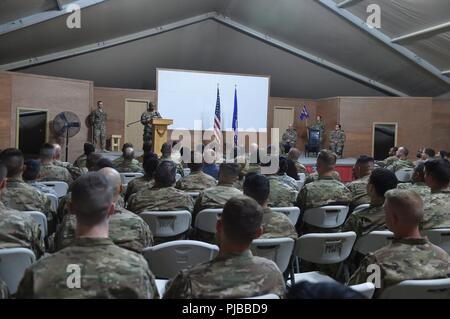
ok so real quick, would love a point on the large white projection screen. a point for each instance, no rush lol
(189, 96)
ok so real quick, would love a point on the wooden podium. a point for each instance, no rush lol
(159, 133)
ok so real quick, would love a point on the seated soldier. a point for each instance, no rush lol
(275, 224)
(31, 174)
(126, 229)
(402, 160)
(437, 205)
(323, 192)
(361, 172)
(410, 256)
(294, 155)
(210, 166)
(16, 229)
(390, 159)
(235, 272)
(49, 171)
(106, 270)
(19, 195)
(314, 177)
(74, 171)
(80, 162)
(282, 170)
(147, 181)
(118, 161)
(163, 196)
(281, 194)
(418, 182)
(128, 163)
(166, 155)
(196, 181)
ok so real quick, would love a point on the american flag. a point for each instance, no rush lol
(217, 124)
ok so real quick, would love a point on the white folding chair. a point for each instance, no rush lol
(54, 201)
(60, 188)
(326, 216)
(268, 296)
(419, 289)
(302, 177)
(373, 241)
(323, 248)
(13, 263)
(167, 259)
(194, 195)
(366, 289)
(127, 177)
(187, 171)
(279, 250)
(360, 208)
(41, 220)
(292, 212)
(439, 237)
(167, 224)
(161, 286)
(404, 175)
(206, 219)
(178, 177)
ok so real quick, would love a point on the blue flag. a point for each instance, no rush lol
(304, 114)
(235, 118)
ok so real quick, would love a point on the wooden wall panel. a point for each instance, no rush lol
(5, 110)
(329, 109)
(440, 126)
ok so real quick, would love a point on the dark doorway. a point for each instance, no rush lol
(32, 131)
(384, 137)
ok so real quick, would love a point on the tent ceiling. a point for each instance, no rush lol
(303, 24)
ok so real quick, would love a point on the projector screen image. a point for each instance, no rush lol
(189, 96)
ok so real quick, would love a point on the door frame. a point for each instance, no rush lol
(47, 128)
(291, 108)
(373, 133)
(125, 109)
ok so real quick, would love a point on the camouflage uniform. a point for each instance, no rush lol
(146, 117)
(400, 164)
(228, 276)
(215, 197)
(51, 172)
(196, 182)
(126, 230)
(179, 165)
(74, 171)
(289, 139)
(289, 181)
(137, 184)
(314, 177)
(300, 167)
(420, 188)
(404, 259)
(42, 187)
(366, 220)
(388, 161)
(80, 161)
(160, 199)
(125, 166)
(277, 225)
(3, 290)
(281, 195)
(20, 230)
(358, 188)
(337, 141)
(107, 271)
(98, 123)
(437, 210)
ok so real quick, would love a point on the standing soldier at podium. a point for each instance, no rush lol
(146, 118)
(319, 126)
(98, 123)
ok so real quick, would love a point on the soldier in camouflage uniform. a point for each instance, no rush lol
(31, 174)
(390, 159)
(166, 155)
(74, 171)
(319, 126)
(289, 139)
(337, 140)
(80, 162)
(234, 273)
(418, 182)
(146, 119)
(325, 191)
(294, 155)
(409, 256)
(127, 163)
(361, 172)
(402, 160)
(281, 194)
(196, 181)
(147, 181)
(126, 229)
(106, 270)
(98, 123)
(49, 171)
(437, 204)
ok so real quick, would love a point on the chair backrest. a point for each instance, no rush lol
(366, 289)
(360, 207)
(194, 195)
(268, 296)
(404, 175)
(326, 216)
(302, 177)
(54, 201)
(167, 224)
(292, 212)
(178, 177)
(187, 171)
(13, 263)
(60, 188)
(206, 219)
(373, 241)
(127, 177)
(419, 289)
(41, 219)
(161, 286)
(439, 237)
(325, 248)
(167, 259)
(279, 250)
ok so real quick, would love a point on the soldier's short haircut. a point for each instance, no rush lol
(32, 169)
(92, 196)
(196, 162)
(103, 163)
(327, 158)
(405, 150)
(88, 148)
(229, 170)
(150, 165)
(12, 158)
(294, 153)
(125, 146)
(282, 165)
(241, 218)
(147, 147)
(47, 151)
(383, 180)
(439, 170)
(364, 160)
(3, 171)
(430, 152)
(410, 202)
(92, 161)
(128, 154)
(257, 186)
(98, 102)
(166, 149)
(165, 173)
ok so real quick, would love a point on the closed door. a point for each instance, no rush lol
(133, 112)
(282, 118)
